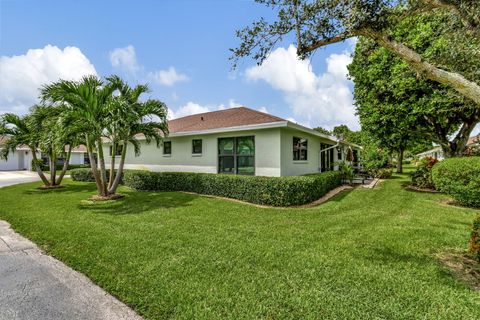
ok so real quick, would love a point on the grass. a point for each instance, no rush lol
(364, 254)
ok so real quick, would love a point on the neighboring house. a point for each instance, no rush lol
(21, 159)
(239, 141)
(437, 152)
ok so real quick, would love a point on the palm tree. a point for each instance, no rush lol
(22, 132)
(86, 103)
(130, 118)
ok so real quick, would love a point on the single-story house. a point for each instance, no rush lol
(437, 152)
(21, 159)
(239, 141)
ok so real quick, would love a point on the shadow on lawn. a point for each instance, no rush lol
(66, 189)
(138, 202)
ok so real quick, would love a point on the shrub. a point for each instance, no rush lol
(274, 191)
(475, 239)
(382, 173)
(85, 174)
(375, 158)
(459, 178)
(422, 176)
(82, 174)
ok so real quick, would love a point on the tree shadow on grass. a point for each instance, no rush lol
(137, 202)
(340, 196)
(66, 189)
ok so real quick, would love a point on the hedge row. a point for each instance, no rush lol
(84, 174)
(273, 191)
(459, 178)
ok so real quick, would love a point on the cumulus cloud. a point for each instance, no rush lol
(195, 108)
(168, 77)
(124, 59)
(316, 100)
(21, 76)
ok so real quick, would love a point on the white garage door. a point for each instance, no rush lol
(16, 161)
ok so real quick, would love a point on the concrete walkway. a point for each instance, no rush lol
(35, 286)
(8, 178)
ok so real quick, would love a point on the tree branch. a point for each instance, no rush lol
(321, 43)
(454, 80)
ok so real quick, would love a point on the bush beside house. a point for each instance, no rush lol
(475, 239)
(460, 179)
(422, 176)
(274, 191)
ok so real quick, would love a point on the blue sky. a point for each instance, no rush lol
(179, 47)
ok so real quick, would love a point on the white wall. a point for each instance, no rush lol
(77, 158)
(289, 167)
(267, 153)
(18, 160)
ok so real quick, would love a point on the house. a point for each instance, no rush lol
(437, 152)
(239, 141)
(21, 159)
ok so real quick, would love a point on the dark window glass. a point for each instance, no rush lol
(236, 155)
(326, 157)
(226, 164)
(197, 146)
(339, 154)
(300, 147)
(167, 147)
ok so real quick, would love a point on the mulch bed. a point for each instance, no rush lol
(414, 188)
(462, 266)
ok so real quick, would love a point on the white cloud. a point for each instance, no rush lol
(21, 76)
(195, 108)
(316, 100)
(124, 59)
(263, 109)
(168, 77)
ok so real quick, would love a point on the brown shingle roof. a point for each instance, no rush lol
(232, 117)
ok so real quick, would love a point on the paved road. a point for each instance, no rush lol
(8, 178)
(35, 286)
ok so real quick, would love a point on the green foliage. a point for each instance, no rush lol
(381, 173)
(347, 171)
(323, 130)
(274, 191)
(460, 179)
(422, 176)
(374, 158)
(400, 110)
(82, 174)
(474, 246)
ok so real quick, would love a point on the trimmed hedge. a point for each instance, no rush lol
(475, 239)
(460, 179)
(273, 191)
(85, 174)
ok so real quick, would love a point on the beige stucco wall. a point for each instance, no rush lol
(289, 167)
(267, 153)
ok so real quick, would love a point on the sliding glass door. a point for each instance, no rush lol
(236, 155)
(326, 157)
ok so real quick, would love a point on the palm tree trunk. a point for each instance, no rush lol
(65, 166)
(118, 176)
(38, 168)
(53, 168)
(93, 166)
(112, 164)
(103, 173)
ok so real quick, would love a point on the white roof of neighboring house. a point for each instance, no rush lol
(3, 139)
(471, 141)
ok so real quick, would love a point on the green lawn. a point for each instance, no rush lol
(364, 254)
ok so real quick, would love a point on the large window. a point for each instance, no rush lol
(300, 147)
(236, 155)
(326, 157)
(197, 146)
(167, 147)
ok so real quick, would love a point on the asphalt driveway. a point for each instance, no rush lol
(36, 286)
(8, 178)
